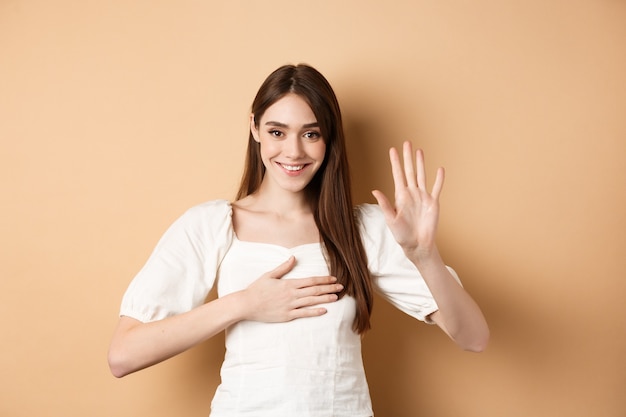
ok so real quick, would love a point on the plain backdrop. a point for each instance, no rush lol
(117, 116)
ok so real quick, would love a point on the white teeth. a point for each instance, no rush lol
(292, 167)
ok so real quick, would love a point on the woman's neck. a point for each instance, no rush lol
(280, 202)
(276, 219)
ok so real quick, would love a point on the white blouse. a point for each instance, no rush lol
(309, 367)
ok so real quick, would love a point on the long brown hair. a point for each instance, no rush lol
(328, 192)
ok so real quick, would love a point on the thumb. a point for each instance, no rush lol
(283, 268)
(384, 203)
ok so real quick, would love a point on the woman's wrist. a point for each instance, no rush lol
(238, 306)
(424, 257)
(246, 305)
(421, 254)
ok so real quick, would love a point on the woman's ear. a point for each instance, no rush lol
(253, 129)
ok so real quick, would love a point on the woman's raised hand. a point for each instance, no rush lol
(272, 299)
(414, 216)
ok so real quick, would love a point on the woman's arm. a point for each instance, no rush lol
(413, 220)
(138, 345)
(458, 316)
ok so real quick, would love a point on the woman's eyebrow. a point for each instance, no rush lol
(279, 124)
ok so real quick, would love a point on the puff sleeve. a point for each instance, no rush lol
(182, 269)
(394, 276)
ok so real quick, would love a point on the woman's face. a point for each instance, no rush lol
(292, 146)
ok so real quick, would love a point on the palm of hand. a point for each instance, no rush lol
(414, 217)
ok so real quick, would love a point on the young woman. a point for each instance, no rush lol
(295, 266)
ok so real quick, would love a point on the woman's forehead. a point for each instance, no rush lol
(290, 109)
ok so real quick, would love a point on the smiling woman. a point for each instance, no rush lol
(295, 266)
(291, 144)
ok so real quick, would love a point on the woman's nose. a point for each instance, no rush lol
(293, 147)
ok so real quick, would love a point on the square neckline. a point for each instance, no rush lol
(266, 244)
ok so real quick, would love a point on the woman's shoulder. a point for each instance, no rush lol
(372, 223)
(370, 215)
(213, 214)
(211, 206)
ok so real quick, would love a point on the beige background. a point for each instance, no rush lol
(116, 116)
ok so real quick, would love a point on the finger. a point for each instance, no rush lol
(283, 268)
(399, 179)
(312, 281)
(300, 313)
(303, 303)
(421, 169)
(385, 205)
(319, 290)
(438, 186)
(409, 171)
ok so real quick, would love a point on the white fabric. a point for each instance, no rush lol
(309, 367)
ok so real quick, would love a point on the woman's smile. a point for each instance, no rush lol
(293, 170)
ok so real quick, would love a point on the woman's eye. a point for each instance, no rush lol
(276, 133)
(312, 135)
